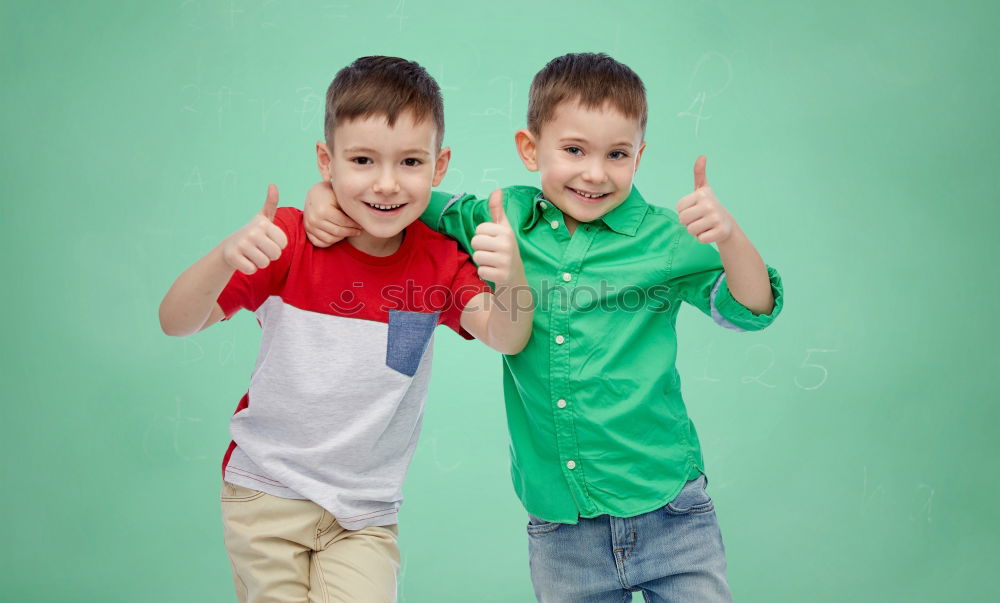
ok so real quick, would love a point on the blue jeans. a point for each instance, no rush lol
(674, 553)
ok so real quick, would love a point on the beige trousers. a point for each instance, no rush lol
(285, 550)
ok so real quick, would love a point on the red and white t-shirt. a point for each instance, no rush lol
(336, 397)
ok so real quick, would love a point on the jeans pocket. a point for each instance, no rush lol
(234, 493)
(409, 334)
(692, 499)
(537, 527)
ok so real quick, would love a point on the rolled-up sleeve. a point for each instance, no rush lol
(726, 307)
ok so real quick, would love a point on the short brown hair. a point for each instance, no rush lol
(385, 86)
(590, 78)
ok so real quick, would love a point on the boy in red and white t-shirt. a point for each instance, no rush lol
(323, 438)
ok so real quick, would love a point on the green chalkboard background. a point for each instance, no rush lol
(852, 447)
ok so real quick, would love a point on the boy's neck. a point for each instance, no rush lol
(571, 223)
(376, 246)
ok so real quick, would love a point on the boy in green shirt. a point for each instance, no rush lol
(603, 455)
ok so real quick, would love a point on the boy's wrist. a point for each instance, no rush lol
(736, 239)
(216, 263)
(516, 293)
(516, 279)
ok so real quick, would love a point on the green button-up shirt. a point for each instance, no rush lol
(597, 423)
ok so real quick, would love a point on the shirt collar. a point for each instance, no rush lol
(624, 219)
(534, 214)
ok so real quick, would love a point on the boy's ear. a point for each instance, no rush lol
(527, 149)
(323, 157)
(638, 156)
(441, 165)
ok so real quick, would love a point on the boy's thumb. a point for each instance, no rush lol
(700, 181)
(497, 213)
(271, 203)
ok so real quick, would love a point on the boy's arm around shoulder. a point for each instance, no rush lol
(457, 216)
(325, 224)
(502, 320)
(190, 304)
(454, 215)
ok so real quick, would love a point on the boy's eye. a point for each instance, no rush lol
(411, 162)
(574, 150)
(361, 160)
(617, 155)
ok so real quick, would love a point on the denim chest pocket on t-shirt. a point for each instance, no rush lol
(409, 333)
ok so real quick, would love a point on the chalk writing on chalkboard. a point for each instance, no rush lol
(769, 354)
(442, 82)
(708, 68)
(508, 109)
(231, 12)
(926, 510)
(870, 493)
(265, 111)
(812, 374)
(192, 93)
(334, 10)
(695, 110)
(449, 183)
(192, 351)
(813, 365)
(397, 13)
(873, 494)
(703, 376)
(491, 184)
(267, 24)
(704, 78)
(174, 422)
(224, 97)
(312, 108)
(195, 181)
(226, 350)
(230, 180)
(437, 459)
(192, 11)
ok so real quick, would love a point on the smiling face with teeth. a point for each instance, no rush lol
(587, 158)
(382, 175)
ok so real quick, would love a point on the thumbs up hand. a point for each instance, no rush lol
(495, 246)
(702, 213)
(259, 242)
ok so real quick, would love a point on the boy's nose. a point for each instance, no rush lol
(386, 183)
(595, 173)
